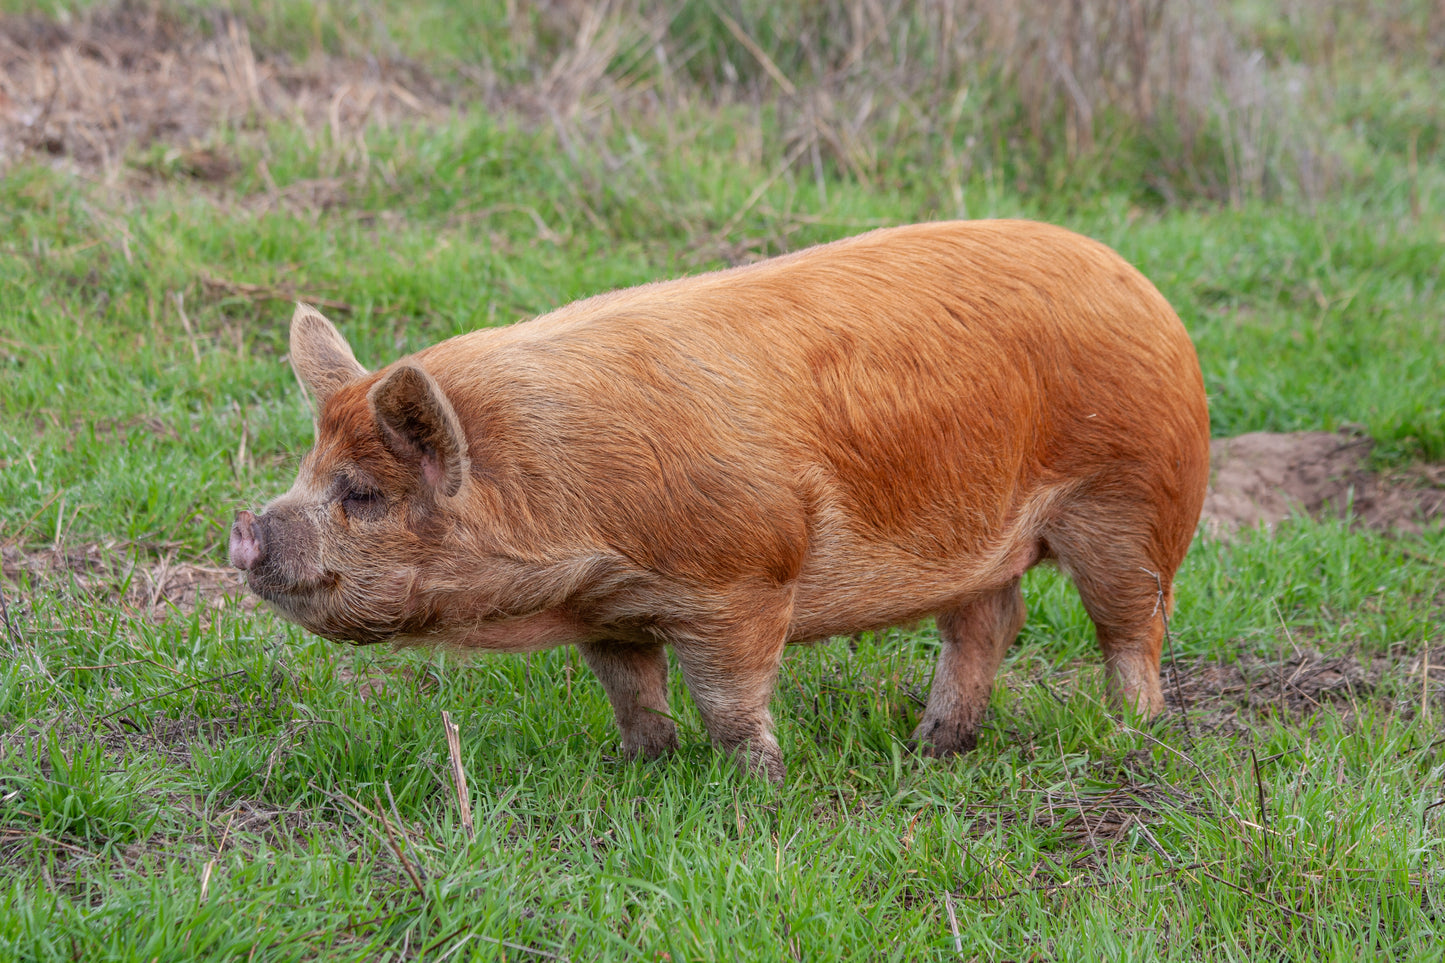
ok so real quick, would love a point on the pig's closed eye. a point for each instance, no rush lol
(362, 503)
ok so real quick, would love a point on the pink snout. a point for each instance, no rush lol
(246, 544)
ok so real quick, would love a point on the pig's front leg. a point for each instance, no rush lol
(975, 637)
(635, 679)
(731, 680)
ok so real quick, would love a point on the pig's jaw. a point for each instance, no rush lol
(302, 605)
(297, 598)
(517, 634)
(406, 619)
(523, 633)
(305, 614)
(346, 610)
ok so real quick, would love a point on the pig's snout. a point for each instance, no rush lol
(246, 542)
(278, 551)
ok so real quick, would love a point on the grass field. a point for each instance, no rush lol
(184, 776)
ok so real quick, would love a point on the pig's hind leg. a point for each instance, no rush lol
(1123, 563)
(975, 637)
(635, 679)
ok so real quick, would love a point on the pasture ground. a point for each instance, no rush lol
(185, 776)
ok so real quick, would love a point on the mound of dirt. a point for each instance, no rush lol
(123, 77)
(1262, 478)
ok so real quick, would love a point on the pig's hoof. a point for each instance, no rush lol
(769, 767)
(650, 751)
(651, 742)
(939, 741)
(762, 758)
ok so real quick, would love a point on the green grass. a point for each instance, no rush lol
(218, 784)
(276, 770)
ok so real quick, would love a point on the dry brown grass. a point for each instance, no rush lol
(121, 78)
(150, 582)
(1036, 94)
(1033, 90)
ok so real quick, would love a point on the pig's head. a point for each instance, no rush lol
(347, 550)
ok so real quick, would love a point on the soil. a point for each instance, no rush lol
(115, 80)
(154, 586)
(1263, 478)
(1228, 695)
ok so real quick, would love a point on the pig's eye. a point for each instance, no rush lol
(362, 503)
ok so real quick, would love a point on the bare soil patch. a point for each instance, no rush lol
(1262, 478)
(121, 78)
(154, 586)
(1089, 820)
(1226, 696)
(1222, 691)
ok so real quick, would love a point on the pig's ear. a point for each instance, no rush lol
(419, 426)
(320, 356)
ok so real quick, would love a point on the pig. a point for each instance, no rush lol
(853, 436)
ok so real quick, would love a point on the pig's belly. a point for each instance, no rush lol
(851, 582)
